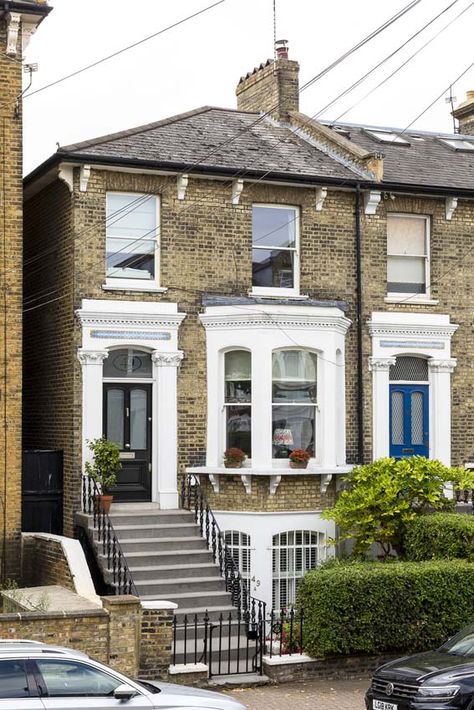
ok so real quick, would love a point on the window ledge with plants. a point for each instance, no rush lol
(274, 472)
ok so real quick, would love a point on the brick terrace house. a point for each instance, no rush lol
(252, 278)
(18, 20)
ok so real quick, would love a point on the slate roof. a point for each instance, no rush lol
(427, 162)
(215, 139)
(207, 137)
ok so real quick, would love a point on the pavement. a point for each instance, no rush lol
(305, 694)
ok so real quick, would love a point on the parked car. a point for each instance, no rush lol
(436, 680)
(35, 676)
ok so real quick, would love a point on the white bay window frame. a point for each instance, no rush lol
(130, 284)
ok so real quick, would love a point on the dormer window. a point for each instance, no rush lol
(275, 250)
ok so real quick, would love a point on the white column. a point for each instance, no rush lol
(165, 428)
(380, 368)
(92, 376)
(261, 408)
(440, 409)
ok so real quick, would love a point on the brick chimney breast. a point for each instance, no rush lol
(272, 87)
(465, 114)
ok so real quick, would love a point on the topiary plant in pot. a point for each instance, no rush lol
(103, 470)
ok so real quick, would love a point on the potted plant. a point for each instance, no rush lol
(299, 458)
(103, 470)
(234, 457)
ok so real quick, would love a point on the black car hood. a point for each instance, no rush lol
(423, 665)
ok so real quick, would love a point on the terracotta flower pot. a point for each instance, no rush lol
(298, 464)
(103, 503)
(233, 464)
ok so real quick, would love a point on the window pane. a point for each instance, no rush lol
(272, 268)
(294, 376)
(130, 260)
(293, 427)
(238, 383)
(128, 362)
(406, 274)
(406, 235)
(274, 227)
(115, 411)
(293, 554)
(409, 369)
(398, 437)
(69, 678)
(13, 681)
(132, 216)
(238, 427)
(138, 419)
(417, 418)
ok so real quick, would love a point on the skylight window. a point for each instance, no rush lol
(459, 143)
(388, 137)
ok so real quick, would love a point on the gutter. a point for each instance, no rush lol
(359, 312)
(28, 8)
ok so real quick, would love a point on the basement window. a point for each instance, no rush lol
(388, 137)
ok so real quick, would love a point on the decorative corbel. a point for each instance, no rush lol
(13, 28)
(372, 201)
(214, 481)
(451, 205)
(66, 174)
(274, 483)
(247, 481)
(237, 187)
(321, 194)
(27, 30)
(325, 481)
(182, 186)
(84, 177)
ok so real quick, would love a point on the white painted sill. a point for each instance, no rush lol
(123, 286)
(276, 293)
(406, 298)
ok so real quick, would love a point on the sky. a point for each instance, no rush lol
(200, 62)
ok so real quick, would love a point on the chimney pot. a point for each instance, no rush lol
(281, 47)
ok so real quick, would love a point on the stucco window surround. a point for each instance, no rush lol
(261, 527)
(151, 327)
(262, 330)
(416, 335)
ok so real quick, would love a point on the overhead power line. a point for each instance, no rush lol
(124, 49)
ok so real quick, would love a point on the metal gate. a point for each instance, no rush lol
(42, 491)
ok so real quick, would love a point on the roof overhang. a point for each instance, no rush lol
(29, 10)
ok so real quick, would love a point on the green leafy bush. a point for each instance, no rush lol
(438, 536)
(381, 497)
(105, 463)
(378, 607)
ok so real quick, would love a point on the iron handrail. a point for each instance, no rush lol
(107, 537)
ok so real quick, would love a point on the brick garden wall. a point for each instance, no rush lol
(43, 563)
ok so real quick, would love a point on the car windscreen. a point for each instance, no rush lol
(462, 644)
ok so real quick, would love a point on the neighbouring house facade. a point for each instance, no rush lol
(18, 21)
(255, 279)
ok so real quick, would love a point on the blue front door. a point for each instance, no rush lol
(409, 425)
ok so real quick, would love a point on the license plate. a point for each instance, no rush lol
(381, 705)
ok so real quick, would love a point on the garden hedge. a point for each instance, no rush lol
(438, 536)
(352, 608)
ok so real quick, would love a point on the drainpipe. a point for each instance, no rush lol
(360, 362)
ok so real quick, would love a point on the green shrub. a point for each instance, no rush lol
(441, 535)
(378, 607)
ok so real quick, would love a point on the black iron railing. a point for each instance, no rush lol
(285, 633)
(120, 575)
(194, 499)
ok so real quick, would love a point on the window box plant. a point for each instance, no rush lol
(103, 470)
(299, 458)
(234, 457)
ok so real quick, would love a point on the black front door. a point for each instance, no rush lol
(127, 422)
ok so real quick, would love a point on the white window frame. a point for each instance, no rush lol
(276, 291)
(116, 282)
(291, 576)
(239, 551)
(225, 405)
(403, 295)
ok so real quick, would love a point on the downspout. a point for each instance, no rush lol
(359, 310)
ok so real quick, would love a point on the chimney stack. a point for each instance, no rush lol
(272, 87)
(465, 114)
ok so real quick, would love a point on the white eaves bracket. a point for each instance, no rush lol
(451, 206)
(321, 194)
(182, 183)
(237, 187)
(84, 177)
(371, 201)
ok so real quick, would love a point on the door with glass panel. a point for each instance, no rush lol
(127, 422)
(409, 426)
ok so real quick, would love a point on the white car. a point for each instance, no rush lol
(35, 676)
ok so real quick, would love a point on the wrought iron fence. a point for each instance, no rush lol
(122, 580)
(285, 633)
(194, 499)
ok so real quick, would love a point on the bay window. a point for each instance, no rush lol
(407, 254)
(275, 262)
(237, 400)
(131, 239)
(294, 401)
